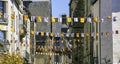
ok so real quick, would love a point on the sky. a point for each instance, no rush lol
(60, 7)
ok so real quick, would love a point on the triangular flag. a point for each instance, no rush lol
(46, 19)
(95, 19)
(69, 19)
(75, 19)
(60, 19)
(82, 34)
(25, 17)
(87, 34)
(102, 20)
(12, 29)
(62, 35)
(92, 34)
(47, 33)
(89, 20)
(77, 35)
(53, 19)
(32, 18)
(42, 33)
(52, 34)
(32, 32)
(72, 35)
(97, 34)
(82, 20)
(12, 16)
(39, 19)
(67, 35)
(21, 31)
(6, 15)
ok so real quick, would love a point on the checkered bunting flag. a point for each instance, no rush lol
(82, 34)
(89, 20)
(46, 19)
(60, 19)
(32, 18)
(6, 15)
(72, 35)
(75, 19)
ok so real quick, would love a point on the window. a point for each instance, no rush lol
(2, 9)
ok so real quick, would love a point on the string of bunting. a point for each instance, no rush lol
(53, 19)
(73, 34)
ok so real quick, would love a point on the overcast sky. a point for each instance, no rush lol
(60, 7)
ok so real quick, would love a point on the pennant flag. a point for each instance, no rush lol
(87, 34)
(75, 19)
(21, 31)
(39, 19)
(12, 16)
(1, 14)
(52, 34)
(53, 19)
(95, 19)
(82, 34)
(97, 34)
(69, 19)
(42, 33)
(25, 17)
(115, 18)
(72, 35)
(62, 35)
(92, 34)
(89, 20)
(46, 19)
(102, 20)
(12, 29)
(6, 15)
(32, 18)
(60, 19)
(47, 33)
(32, 32)
(77, 35)
(82, 20)
(109, 17)
(67, 35)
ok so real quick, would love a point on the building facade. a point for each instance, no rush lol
(11, 23)
(115, 29)
(82, 9)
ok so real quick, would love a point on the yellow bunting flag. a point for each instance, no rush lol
(95, 19)
(51, 34)
(69, 19)
(97, 34)
(109, 17)
(32, 32)
(42, 33)
(87, 34)
(25, 17)
(61, 35)
(82, 20)
(21, 31)
(53, 19)
(12, 16)
(39, 18)
(12, 29)
(77, 35)
(1, 14)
